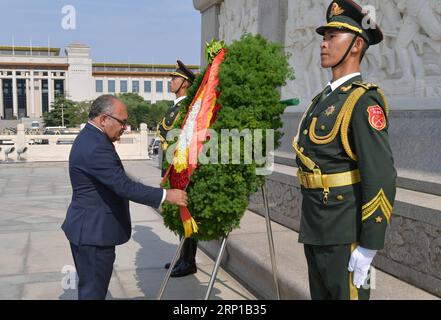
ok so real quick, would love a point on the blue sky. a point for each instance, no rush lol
(135, 31)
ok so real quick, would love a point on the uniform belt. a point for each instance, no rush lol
(326, 181)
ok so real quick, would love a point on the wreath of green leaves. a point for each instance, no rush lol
(250, 75)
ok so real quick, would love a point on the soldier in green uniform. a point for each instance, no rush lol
(346, 168)
(181, 80)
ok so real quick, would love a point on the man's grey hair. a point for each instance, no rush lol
(102, 104)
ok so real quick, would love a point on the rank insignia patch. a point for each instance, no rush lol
(346, 89)
(377, 119)
(378, 219)
(330, 111)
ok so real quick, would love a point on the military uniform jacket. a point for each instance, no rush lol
(164, 127)
(168, 121)
(338, 139)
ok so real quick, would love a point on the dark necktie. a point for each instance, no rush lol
(322, 97)
(325, 93)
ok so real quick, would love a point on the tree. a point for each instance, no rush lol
(137, 108)
(67, 111)
(76, 113)
(157, 112)
(79, 113)
(141, 111)
(58, 113)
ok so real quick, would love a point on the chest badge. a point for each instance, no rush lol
(330, 111)
(172, 114)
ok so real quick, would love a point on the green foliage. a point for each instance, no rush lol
(137, 108)
(76, 113)
(249, 78)
(157, 112)
(60, 108)
(79, 113)
(212, 48)
(141, 111)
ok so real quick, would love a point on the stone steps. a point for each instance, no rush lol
(247, 259)
(412, 240)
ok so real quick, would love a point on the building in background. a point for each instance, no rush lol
(31, 77)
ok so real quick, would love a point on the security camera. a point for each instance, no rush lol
(20, 151)
(8, 151)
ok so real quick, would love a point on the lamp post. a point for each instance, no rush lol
(62, 114)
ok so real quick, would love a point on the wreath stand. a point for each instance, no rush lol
(221, 254)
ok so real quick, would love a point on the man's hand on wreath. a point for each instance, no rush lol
(176, 196)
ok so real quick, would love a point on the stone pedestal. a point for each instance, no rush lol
(20, 141)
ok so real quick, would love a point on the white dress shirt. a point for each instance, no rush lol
(93, 124)
(337, 83)
(177, 100)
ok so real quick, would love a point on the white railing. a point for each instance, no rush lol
(132, 146)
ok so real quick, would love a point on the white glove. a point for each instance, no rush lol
(360, 264)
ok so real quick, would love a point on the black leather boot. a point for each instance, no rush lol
(167, 265)
(188, 263)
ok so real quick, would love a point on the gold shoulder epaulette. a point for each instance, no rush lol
(366, 85)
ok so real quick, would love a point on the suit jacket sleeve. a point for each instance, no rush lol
(107, 168)
(375, 162)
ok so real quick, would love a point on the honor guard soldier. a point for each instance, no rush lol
(346, 168)
(181, 80)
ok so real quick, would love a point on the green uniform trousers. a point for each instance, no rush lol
(329, 278)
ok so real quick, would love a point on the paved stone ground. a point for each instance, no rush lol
(33, 249)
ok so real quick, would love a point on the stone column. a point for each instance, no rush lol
(14, 95)
(40, 98)
(209, 23)
(32, 95)
(28, 97)
(50, 86)
(153, 93)
(272, 19)
(20, 141)
(1, 99)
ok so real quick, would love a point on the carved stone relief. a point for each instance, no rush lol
(406, 63)
(414, 244)
(237, 18)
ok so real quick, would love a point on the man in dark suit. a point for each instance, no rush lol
(98, 217)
